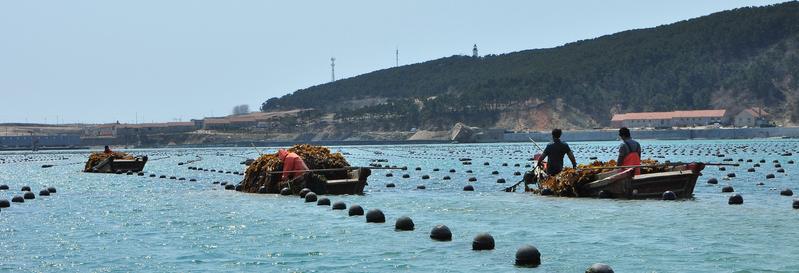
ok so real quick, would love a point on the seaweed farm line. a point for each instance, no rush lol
(178, 216)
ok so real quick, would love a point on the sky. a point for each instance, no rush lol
(143, 61)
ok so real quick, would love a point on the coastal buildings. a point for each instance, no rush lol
(670, 119)
(750, 117)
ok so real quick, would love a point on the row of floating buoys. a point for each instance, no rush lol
(27, 194)
(737, 199)
(526, 256)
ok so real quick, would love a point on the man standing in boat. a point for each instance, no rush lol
(293, 166)
(555, 152)
(629, 150)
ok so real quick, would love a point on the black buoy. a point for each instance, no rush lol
(495, 172)
(285, 191)
(713, 181)
(604, 194)
(446, 177)
(310, 197)
(230, 187)
(4, 187)
(796, 203)
(339, 205)
(390, 185)
(323, 202)
(751, 170)
(193, 180)
(501, 180)
(375, 216)
(304, 191)
(420, 187)
(786, 192)
(547, 191)
(44, 192)
(669, 195)
(472, 179)
(528, 255)
(722, 169)
(404, 223)
(731, 175)
(727, 189)
(355, 210)
(599, 268)
(173, 177)
(18, 199)
(162, 176)
(425, 176)
(26, 188)
(483, 241)
(29, 195)
(441, 233)
(152, 175)
(140, 174)
(468, 188)
(4, 203)
(770, 176)
(389, 175)
(223, 183)
(406, 176)
(452, 170)
(780, 170)
(736, 199)
(262, 189)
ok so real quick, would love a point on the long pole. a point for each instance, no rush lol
(338, 169)
(656, 165)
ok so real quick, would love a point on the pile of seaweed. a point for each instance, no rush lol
(567, 181)
(265, 170)
(97, 157)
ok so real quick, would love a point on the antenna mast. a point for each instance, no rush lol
(332, 69)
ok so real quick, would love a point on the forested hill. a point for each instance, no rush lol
(732, 59)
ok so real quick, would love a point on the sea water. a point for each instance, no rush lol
(130, 223)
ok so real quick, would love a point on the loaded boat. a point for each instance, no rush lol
(112, 165)
(623, 183)
(115, 162)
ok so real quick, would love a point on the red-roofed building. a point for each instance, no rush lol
(669, 119)
(751, 117)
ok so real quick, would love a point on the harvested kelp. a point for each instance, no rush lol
(567, 181)
(265, 171)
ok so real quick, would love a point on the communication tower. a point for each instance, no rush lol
(332, 69)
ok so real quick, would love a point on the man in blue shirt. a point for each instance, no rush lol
(555, 152)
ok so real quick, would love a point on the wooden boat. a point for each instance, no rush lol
(354, 184)
(111, 165)
(623, 184)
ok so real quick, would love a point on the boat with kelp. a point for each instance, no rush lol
(328, 173)
(114, 162)
(606, 180)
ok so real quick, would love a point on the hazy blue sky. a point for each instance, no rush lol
(102, 61)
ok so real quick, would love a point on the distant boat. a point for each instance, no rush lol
(111, 165)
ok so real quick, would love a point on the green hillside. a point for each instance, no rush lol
(732, 59)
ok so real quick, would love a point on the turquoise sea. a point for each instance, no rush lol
(129, 223)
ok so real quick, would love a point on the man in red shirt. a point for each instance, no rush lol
(293, 166)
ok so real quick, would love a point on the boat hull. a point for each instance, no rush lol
(680, 180)
(112, 165)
